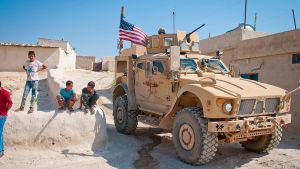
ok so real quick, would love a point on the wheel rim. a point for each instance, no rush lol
(120, 113)
(186, 136)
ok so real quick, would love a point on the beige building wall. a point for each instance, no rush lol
(227, 43)
(108, 63)
(13, 57)
(67, 59)
(54, 55)
(271, 58)
(85, 62)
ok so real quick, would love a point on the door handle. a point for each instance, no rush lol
(148, 83)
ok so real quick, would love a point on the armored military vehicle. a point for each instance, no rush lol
(174, 87)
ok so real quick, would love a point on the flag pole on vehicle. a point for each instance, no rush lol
(120, 42)
(130, 32)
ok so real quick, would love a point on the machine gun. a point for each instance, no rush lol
(187, 36)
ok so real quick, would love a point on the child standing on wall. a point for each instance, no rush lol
(31, 67)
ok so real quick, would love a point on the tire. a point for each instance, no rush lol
(204, 147)
(265, 143)
(125, 121)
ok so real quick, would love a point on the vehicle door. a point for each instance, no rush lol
(160, 86)
(142, 92)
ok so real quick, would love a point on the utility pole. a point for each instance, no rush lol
(174, 22)
(255, 18)
(245, 14)
(294, 19)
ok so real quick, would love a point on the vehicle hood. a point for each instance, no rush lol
(243, 88)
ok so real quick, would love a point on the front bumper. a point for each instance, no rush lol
(261, 124)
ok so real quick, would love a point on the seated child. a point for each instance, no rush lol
(67, 97)
(89, 98)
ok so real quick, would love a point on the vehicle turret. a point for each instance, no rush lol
(161, 43)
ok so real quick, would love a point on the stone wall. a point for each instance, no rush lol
(85, 62)
(108, 64)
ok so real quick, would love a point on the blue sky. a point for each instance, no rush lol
(91, 26)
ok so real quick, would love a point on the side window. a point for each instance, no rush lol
(296, 59)
(168, 41)
(158, 67)
(140, 65)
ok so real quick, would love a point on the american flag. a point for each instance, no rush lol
(132, 33)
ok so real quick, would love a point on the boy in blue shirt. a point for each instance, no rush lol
(67, 97)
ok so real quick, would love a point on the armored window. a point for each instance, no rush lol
(196, 47)
(158, 67)
(296, 59)
(140, 65)
(251, 76)
(184, 46)
(188, 64)
(168, 41)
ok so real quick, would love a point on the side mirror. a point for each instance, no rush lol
(175, 58)
(134, 56)
(125, 72)
(230, 68)
(149, 68)
(219, 54)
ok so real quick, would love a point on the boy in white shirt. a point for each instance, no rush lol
(31, 67)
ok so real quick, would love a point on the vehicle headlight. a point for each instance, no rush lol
(227, 107)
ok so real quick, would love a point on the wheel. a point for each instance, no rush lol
(193, 143)
(125, 121)
(265, 143)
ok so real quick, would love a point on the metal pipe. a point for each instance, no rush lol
(174, 22)
(255, 18)
(294, 18)
(245, 14)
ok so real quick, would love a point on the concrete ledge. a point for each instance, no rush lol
(55, 81)
(52, 128)
(56, 129)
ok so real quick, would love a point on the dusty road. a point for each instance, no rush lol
(148, 148)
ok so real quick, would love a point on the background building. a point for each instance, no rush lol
(53, 53)
(85, 62)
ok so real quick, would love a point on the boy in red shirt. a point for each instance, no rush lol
(5, 105)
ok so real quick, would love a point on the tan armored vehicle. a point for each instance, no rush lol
(195, 97)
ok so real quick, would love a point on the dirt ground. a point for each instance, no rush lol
(147, 148)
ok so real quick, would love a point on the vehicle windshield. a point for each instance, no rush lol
(188, 64)
(217, 65)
